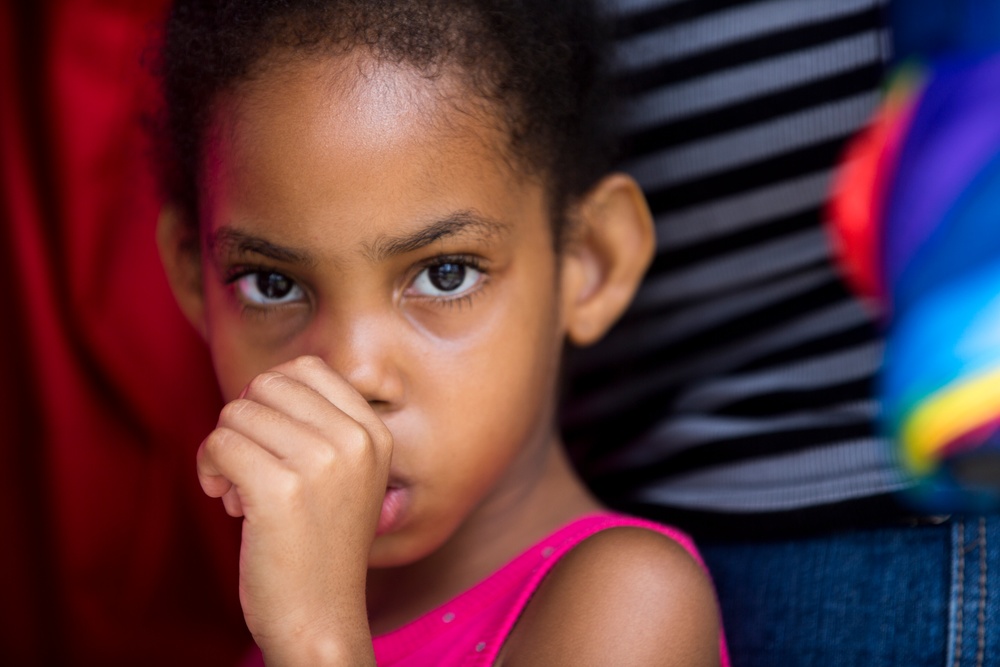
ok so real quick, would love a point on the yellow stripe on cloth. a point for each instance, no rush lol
(947, 415)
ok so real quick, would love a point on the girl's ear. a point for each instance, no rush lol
(609, 249)
(180, 255)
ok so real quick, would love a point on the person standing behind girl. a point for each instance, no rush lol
(387, 220)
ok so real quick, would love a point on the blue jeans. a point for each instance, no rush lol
(908, 596)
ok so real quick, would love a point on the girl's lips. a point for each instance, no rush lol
(393, 508)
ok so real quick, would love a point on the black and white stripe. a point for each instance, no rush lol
(741, 379)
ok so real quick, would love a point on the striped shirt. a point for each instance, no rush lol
(741, 380)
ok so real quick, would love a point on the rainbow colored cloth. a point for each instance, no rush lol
(915, 219)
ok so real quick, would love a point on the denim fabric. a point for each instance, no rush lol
(903, 595)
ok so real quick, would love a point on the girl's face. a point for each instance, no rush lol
(371, 217)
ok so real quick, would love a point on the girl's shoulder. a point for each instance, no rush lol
(626, 592)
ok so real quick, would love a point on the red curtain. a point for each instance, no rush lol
(112, 554)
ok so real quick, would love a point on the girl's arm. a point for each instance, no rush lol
(626, 596)
(303, 458)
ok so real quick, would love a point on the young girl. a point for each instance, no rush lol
(388, 218)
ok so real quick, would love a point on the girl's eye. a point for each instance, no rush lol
(446, 279)
(268, 288)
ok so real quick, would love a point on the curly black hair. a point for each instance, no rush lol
(541, 64)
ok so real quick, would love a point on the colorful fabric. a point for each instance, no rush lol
(920, 234)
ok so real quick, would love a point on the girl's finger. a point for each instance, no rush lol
(292, 422)
(213, 482)
(309, 392)
(316, 374)
(228, 462)
(285, 395)
(231, 501)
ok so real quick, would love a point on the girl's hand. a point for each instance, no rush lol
(304, 459)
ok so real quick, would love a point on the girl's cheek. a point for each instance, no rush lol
(265, 338)
(457, 319)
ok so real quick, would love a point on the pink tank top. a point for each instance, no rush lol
(471, 628)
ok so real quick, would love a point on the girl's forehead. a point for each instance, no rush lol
(352, 99)
(342, 140)
(353, 106)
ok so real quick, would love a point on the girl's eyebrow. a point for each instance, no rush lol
(226, 239)
(229, 240)
(465, 222)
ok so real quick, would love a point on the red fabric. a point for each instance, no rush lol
(860, 188)
(112, 554)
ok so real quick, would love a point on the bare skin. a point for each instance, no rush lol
(379, 290)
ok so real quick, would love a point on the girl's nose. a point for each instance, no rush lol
(364, 351)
